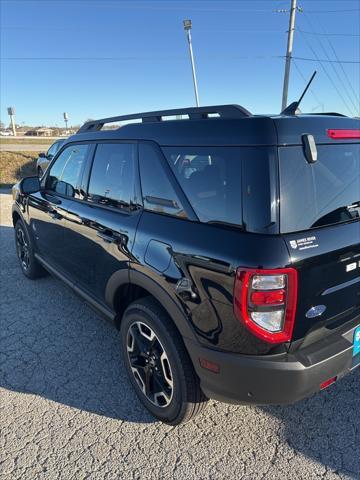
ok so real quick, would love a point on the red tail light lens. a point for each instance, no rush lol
(343, 134)
(265, 301)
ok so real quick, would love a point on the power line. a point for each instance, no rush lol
(330, 34)
(342, 67)
(347, 10)
(333, 66)
(306, 80)
(321, 62)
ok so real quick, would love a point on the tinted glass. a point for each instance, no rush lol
(53, 149)
(323, 193)
(259, 190)
(65, 174)
(112, 179)
(158, 193)
(211, 179)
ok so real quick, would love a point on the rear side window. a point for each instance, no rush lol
(211, 179)
(112, 178)
(158, 193)
(326, 192)
(65, 174)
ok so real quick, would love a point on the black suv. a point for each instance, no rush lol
(223, 245)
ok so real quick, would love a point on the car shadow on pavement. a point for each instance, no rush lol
(53, 345)
(326, 426)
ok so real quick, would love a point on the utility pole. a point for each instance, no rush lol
(289, 53)
(11, 113)
(187, 28)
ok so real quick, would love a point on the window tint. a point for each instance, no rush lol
(64, 175)
(112, 179)
(323, 193)
(53, 149)
(211, 180)
(259, 190)
(158, 193)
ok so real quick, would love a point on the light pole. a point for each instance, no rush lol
(187, 28)
(11, 113)
(66, 118)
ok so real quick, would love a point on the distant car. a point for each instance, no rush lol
(45, 158)
(5, 133)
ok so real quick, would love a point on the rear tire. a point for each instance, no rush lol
(158, 364)
(25, 252)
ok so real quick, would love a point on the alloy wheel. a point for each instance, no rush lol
(22, 248)
(150, 364)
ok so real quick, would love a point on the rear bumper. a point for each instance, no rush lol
(275, 379)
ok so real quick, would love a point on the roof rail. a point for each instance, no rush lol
(224, 111)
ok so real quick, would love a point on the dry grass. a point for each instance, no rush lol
(16, 165)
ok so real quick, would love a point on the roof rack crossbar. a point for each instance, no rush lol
(224, 111)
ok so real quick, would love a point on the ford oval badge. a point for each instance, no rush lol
(315, 311)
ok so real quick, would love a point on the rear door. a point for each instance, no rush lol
(320, 220)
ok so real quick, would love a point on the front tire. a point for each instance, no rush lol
(158, 364)
(25, 252)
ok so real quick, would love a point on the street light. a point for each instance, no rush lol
(187, 28)
(66, 118)
(11, 113)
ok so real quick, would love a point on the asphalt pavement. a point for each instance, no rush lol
(67, 410)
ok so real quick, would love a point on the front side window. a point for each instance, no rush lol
(65, 174)
(211, 179)
(112, 178)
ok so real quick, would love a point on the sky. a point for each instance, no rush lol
(100, 58)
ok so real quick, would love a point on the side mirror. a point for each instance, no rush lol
(29, 185)
(42, 155)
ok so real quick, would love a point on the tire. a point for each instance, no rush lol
(25, 252)
(172, 391)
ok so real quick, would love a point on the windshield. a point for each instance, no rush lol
(326, 192)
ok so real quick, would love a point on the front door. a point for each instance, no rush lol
(100, 229)
(47, 208)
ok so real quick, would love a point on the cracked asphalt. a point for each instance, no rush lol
(67, 410)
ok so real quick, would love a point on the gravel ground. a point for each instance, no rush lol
(67, 410)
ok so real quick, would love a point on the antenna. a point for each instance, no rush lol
(292, 108)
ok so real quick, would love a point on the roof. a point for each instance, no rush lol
(215, 125)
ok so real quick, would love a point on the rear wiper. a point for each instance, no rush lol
(335, 215)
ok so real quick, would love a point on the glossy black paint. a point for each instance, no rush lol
(189, 266)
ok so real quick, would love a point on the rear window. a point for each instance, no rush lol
(211, 179)
(326, 192)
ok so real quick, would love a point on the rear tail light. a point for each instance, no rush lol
(343, 134)
(265, 301)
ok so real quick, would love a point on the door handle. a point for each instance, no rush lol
(55, 215)
(107, 236)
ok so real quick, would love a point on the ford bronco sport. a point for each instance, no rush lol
(225, 247)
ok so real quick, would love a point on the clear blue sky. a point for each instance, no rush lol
(105, 57)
